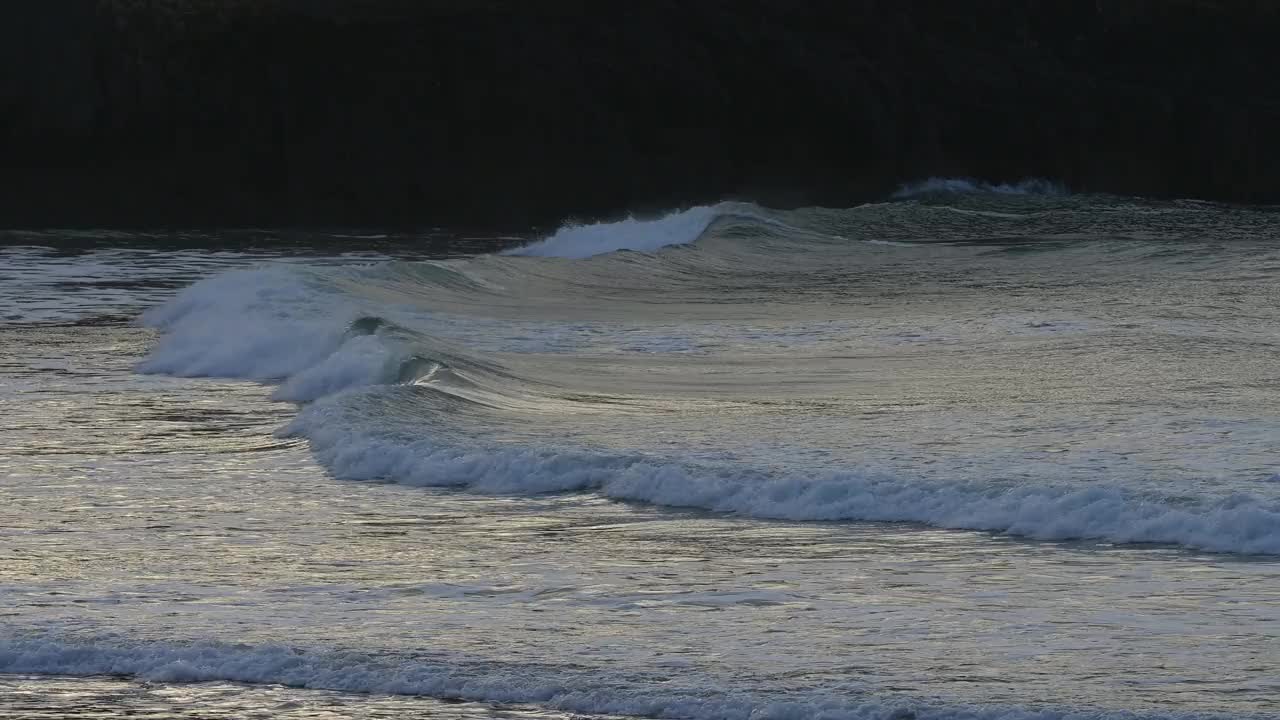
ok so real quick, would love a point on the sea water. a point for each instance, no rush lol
(975, 452)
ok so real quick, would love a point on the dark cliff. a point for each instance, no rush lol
(509, 112)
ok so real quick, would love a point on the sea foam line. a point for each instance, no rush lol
(1235, 524)
(569, 690)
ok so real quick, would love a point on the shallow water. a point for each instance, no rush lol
(952, 456)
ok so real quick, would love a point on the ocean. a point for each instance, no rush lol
(975, 452)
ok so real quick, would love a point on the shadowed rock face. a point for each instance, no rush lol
(508, 112)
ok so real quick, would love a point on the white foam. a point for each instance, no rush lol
(656, 695)
(584, 240)
(965, 186)
(359, 361)
(1236, 524)
(268, 324)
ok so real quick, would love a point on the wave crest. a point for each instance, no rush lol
(1236, 524)
(970, 186)
(677, 228)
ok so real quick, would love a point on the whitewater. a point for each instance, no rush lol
(977, 451)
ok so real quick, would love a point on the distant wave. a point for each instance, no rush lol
(584, 240)
(963, 186)
(682, 227)
(563, 689)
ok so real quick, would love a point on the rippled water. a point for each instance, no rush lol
(42, 697)
(652, 483)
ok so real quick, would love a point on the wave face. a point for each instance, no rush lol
(1010, 359)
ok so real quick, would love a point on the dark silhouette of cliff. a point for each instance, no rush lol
(514, 112)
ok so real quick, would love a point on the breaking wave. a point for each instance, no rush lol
(584, 240)
(342, 340)
(1238, 524)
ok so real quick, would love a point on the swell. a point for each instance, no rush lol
(564, 689)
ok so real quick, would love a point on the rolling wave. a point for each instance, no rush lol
(577, 241)
(1236, 524)
(433, 336)
(564, 689)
